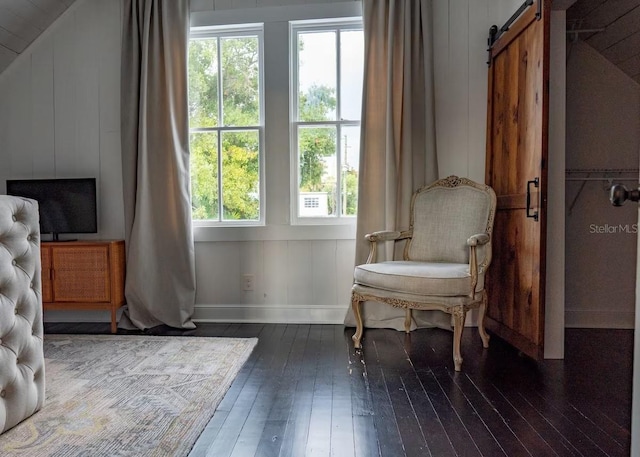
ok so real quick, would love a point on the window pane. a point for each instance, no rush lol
(317, 170)
(203, 83)
(241, 176)
(317, 76)
(204, 175)
(350, 144)
(240, 81)
(351, 70)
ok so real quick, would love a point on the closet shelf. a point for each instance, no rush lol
(602, 174)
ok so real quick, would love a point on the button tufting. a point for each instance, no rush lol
(15, 311)
(14, 218)
(13, 262)
(3, 393)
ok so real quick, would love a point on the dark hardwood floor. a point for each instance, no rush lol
(306, 392)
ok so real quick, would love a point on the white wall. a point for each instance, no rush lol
(59, 108)
(555, 283)
(603, 131)
(461, 29)
(59, 116)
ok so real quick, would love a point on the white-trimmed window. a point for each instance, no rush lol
(326, 96)
(226, 124)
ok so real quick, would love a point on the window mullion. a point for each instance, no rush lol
(339, 170)
(339, 189)
(220, 113)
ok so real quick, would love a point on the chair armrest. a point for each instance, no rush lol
(384, 235)
(473, 242)
(478, 239)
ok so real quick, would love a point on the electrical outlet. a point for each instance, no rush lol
(247, 282)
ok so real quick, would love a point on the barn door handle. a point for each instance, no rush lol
(536, 183)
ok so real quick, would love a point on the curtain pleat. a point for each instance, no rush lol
(160, 280)
(398, 147)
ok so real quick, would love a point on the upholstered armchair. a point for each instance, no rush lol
(446, 254)
(21, 330)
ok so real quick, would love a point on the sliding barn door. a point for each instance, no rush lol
(517, 125)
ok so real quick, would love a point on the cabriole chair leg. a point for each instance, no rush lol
(355, 305)
(458, 325)
(483, 309)
(407, 320)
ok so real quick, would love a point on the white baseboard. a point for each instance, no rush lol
(599, 319)
(270, 314)
(306, 314)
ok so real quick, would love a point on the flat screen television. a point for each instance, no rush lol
(66, 205)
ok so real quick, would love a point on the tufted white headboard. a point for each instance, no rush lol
(21, 329)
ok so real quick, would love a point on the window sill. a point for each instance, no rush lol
(203, 234)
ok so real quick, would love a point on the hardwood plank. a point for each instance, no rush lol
(387, 429)
(455, 429)
(254, 425)
(522, 428)
(574, 427)
(432, 429)
(364, 429)
(365, 437)
(294, 441)
(342, 427)
(319, 437)
(475, 425)
(271, 439)
(496, 424)
(211, 431)
(574, 444)
(232, 427)
(413, 440)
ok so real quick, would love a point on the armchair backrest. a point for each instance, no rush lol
(444, 215)
(21, 330)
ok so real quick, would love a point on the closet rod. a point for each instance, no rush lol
(616, 178)
(601, 170)
(576, 31)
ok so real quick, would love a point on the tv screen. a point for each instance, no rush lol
(66, 205)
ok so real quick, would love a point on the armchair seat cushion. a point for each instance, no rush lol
(419, 278)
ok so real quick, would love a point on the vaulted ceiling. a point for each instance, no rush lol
(22, 21)
(611, 27)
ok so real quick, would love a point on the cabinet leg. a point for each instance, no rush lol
(114, 322)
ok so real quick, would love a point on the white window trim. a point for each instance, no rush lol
(277, 154)
(330, 24)
(222, 31)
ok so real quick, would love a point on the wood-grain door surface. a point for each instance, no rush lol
(517, 124)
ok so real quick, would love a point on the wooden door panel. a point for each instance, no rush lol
(517, 121)
(518, 267)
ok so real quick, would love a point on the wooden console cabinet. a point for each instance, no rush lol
(83, 275)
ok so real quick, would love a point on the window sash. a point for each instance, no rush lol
(219, 33)
(296, 29)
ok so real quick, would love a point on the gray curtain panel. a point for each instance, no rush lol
(160, 282)
(398, 148)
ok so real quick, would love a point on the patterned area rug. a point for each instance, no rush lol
(127, 395)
